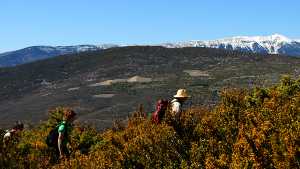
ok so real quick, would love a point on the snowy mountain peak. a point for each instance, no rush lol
(279, 38)
(273, 44)
(275, 38)
(34, 53)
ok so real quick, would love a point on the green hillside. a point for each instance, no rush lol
(108, 85)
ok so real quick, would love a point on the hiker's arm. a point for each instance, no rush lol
(59, 141)
(175, 107)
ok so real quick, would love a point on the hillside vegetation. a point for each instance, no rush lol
(247, 129)
(109, 84)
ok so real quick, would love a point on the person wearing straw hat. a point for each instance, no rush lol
(176, 104)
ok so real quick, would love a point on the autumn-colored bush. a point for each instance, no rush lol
(247, 129)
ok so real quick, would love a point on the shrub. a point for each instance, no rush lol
(247, 129)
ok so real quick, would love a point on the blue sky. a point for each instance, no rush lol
(70, 22)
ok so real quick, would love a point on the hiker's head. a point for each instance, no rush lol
(181, 95)
(18, 126)
(161, 104)
(69, 115)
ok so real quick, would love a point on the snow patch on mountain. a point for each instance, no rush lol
(35, 53)
(260, 44)
(273, 44)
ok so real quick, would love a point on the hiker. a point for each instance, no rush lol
(176, 104)
(161, 107)
(64, 129)
(13, 133)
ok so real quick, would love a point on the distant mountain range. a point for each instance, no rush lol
(106, 85)
(35, 53)
(273, 44)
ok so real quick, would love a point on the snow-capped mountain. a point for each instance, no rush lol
(34, 53)
(274, 44)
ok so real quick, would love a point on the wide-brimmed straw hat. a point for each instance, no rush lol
(181, 93)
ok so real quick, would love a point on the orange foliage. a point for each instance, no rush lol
(247, 129)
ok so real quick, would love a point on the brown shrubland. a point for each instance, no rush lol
(247, 129)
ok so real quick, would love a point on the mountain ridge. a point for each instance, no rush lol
(273, 44)
(34, 53)
(106, 85)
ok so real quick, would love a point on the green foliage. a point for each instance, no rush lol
(55, 116)
(83, 138)
(247, 129)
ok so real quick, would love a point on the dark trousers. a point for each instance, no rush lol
(55, 153)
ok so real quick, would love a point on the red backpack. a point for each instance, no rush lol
(161, 107)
